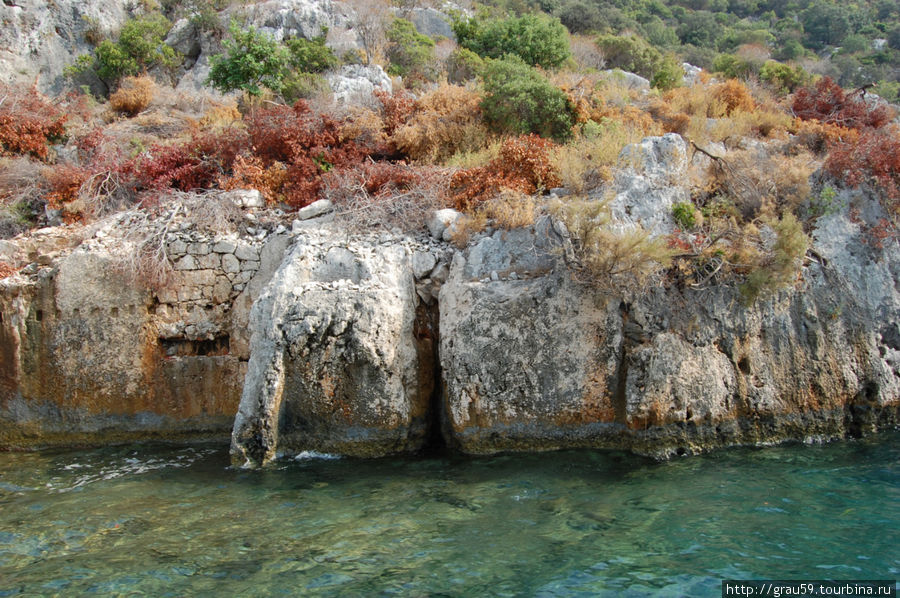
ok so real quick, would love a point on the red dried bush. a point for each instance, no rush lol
(873, 158)
(28, 122)
(396, 109)
(523, 165)
(197, 163)
(827, 102)
(308, 144)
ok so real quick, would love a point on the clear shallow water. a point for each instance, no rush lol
(164, 521)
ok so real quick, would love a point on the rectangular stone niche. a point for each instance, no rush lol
(181, 347)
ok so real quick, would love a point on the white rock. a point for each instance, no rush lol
(441, 220)
(315, 209)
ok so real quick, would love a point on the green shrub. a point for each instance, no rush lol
(630, 53)
(538, 40)
(252, 60)
(668, 75)
(408, 50)
(783, 77)
(683, 212)
(140, 47)
(463, 65)
(311, 55)
(518, 99)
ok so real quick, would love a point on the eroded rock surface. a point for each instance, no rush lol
(342, 358)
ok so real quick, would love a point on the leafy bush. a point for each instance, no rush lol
(408, 50)
(630, 53)
(28, 122)
(828, 103)
(311, 56)
(783, 77)
(683, 212)
(523, 165)
(463, 65)
(252, 60)
(133, 95)
(537, 39)
(140, 47)
(518, 99)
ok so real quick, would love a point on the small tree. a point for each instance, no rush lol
(311, 55)
(252, 60)
(538, 40)
(518, 99)
(140, 46)
(408, 50)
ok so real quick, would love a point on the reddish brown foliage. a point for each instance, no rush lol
(28, 122)
(308, 145)
(523, 165)
(6, 270)
(828, 103)
(396, 109)
(873, 158)
(195, 164)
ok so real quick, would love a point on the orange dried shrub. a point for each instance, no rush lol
(28, 122)
(396, 109)
(133, 96)
(524, 164)
(6, 270)
(818, 136)
(445, 121)
(732, 95)
(248, 172)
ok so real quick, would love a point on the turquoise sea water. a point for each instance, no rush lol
(178, 521)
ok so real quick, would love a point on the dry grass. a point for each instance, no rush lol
(588, 161)
(446, 121)
(133, 96)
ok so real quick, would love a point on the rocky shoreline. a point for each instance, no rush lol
(309, 337)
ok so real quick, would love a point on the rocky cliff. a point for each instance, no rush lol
(307, 337)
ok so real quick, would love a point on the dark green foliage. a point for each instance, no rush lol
(464, 65)
(581, 16)
(683, 212)
(518, 99)
(140, 47)
(631, 53)
(311, 55)
(252, 60)
(539, 40)
(408, 50)
(783, 77)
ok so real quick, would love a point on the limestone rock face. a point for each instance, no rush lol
(283, 19)
(528, 360)
(338, 360)
(650, 182)
(355, 83)
(39, 38)
(539, 361)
